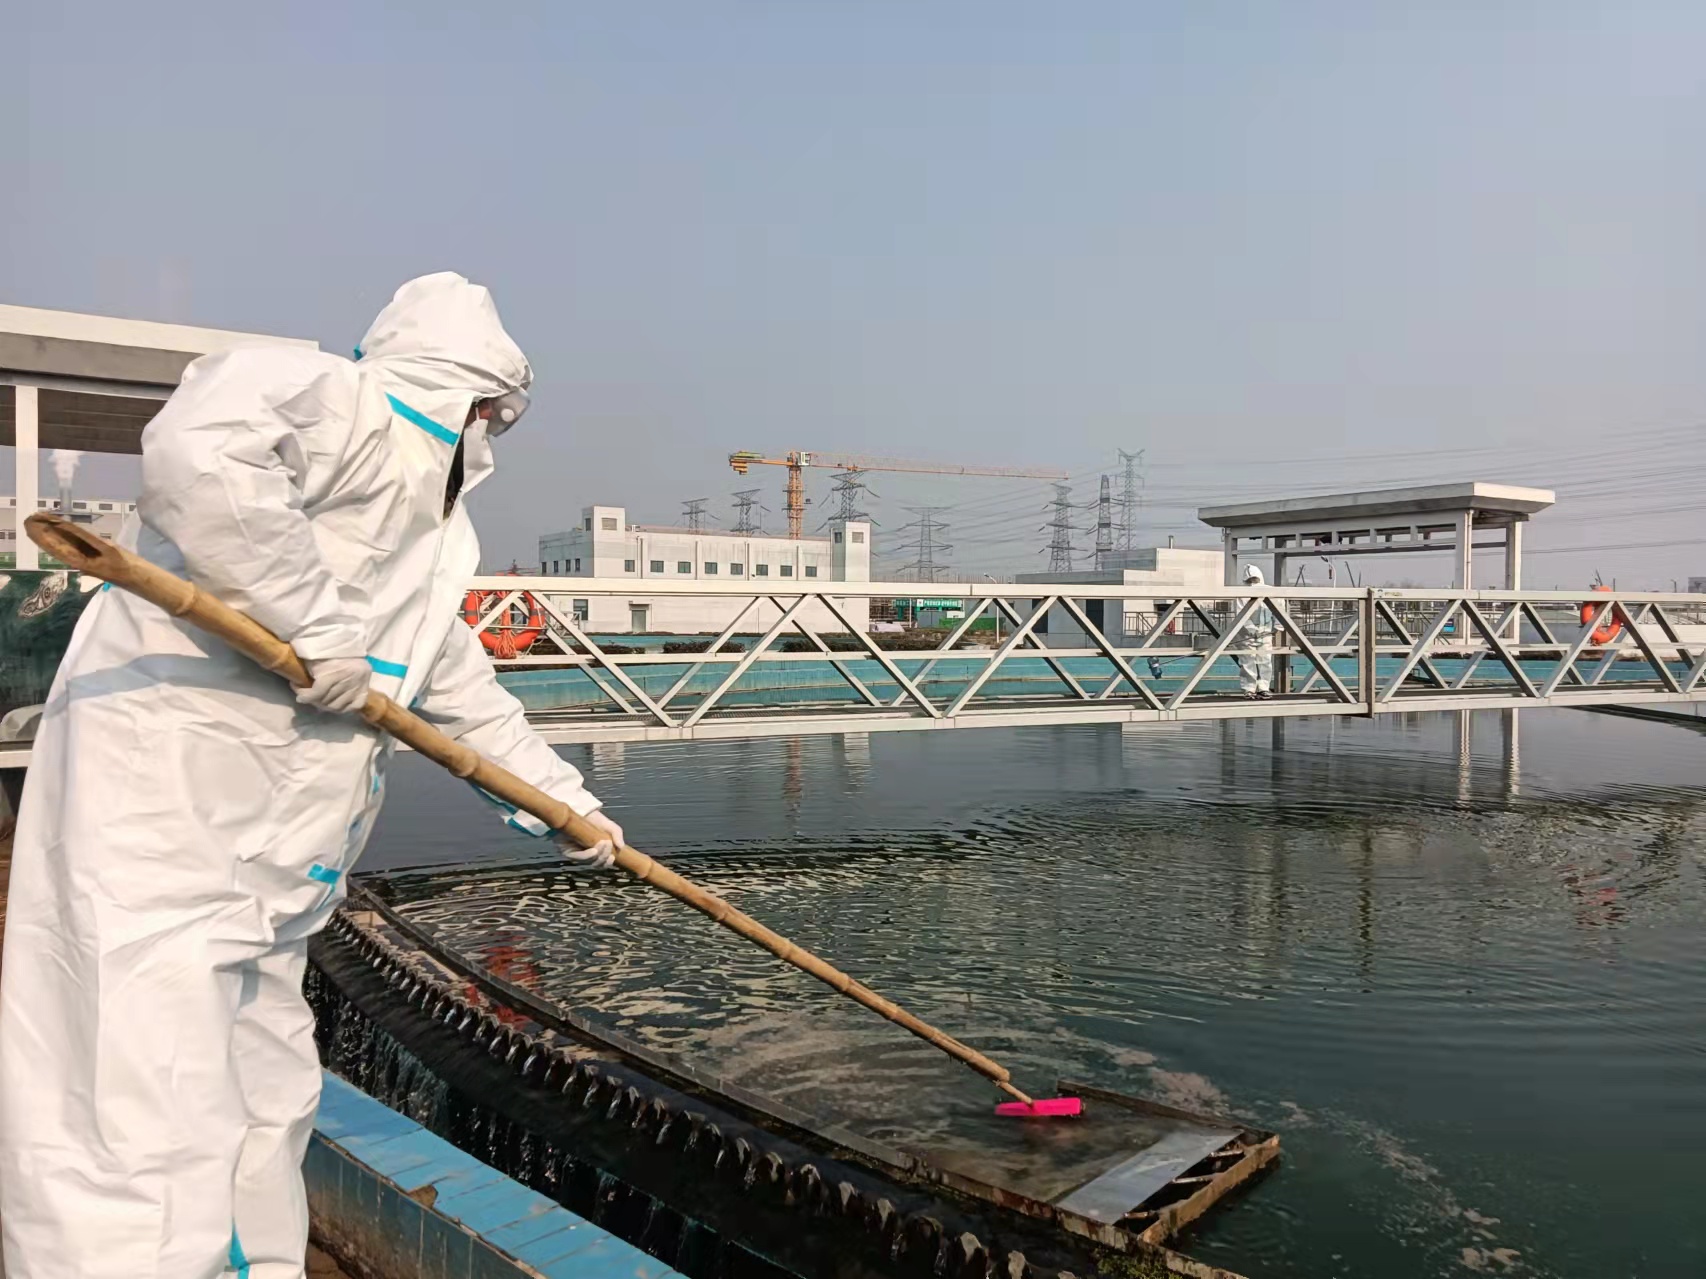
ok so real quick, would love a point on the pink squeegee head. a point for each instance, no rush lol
(1043, 1108)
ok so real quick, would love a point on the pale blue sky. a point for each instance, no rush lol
(1282, 247)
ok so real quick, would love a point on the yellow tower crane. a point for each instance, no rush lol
(797, 461)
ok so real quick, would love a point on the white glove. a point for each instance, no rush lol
(340, 684)
(602, 855)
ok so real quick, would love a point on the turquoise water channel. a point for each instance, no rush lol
(772, 683)
(1458, 965)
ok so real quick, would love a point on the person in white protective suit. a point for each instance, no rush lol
(189, 822)
(1253, 647)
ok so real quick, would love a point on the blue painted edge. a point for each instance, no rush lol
(432, 428)
(504, 1219)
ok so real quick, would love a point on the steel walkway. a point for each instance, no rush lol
(1081, 654)
(1073, 655)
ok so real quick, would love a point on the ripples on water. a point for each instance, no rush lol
(1463, 977)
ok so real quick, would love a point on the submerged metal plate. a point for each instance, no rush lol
(1123, 1187)
(1034, 1169)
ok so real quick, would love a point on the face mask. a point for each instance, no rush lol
(506, 412)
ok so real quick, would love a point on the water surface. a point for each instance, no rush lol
(1459, 967)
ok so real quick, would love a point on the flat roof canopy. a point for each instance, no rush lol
(100, 379)
(1492, 504)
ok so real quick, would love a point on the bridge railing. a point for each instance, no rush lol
(792, 656)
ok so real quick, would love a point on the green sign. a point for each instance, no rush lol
(938, 603)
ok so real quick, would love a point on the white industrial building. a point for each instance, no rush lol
(1158, 572)
(608, 548)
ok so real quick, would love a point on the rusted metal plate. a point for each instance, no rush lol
(1122, 1188)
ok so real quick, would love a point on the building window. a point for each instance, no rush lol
(582, 610)
(811, 570)
(787, 570)
(106, 506)
(657, 566)
(608, 522)
(588, 524)
(711, 566)
(627, 566)
(761, 570)
(553, 566)
(683, 566)
(577, 564)
(837, 535)
(858, 535)
(736, 570)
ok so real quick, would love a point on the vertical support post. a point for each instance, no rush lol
(28, 466)
(1367, 654)
(1513, 572)
(1229, 552)
(1466, 551)
(1282, 661)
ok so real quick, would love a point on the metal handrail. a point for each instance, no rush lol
(1361, 651)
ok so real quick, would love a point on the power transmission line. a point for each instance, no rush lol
(1613, 546)
(926, 545)
(848, 487)
(1104, 524)
(1059, 549)
(1596, 494)
(1131, 497)
(746, 502)
(693, 512)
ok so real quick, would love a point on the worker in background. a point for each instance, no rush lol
(189, 822)
(1254, 645)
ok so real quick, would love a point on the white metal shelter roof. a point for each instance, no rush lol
(1488, 501)
(99, 379)
(1428, 517)
(92, 383)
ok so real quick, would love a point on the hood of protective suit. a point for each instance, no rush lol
(439, 346)
(439, 331)
(1253, 577)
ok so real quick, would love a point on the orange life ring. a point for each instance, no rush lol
(1608, 631)
(505, 638)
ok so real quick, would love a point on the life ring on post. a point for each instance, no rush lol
(513, 632)
(1606, 631)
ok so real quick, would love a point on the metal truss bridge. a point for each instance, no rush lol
(792, 660)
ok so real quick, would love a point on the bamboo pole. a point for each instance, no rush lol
(90, 553)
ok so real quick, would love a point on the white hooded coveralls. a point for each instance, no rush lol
(186, 824)
(1254, 645)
